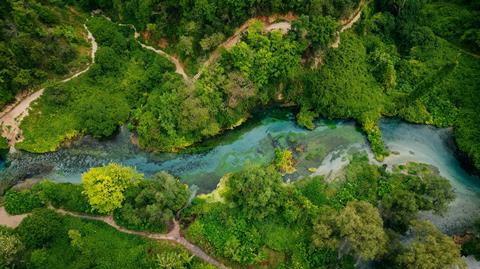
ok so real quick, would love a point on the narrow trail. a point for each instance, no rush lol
(173, 235)
(10, 220)
(347, 24)
(178, 66)
(283, 26)
(229, 43)
(12, 115)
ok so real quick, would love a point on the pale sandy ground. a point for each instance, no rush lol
(9, 220)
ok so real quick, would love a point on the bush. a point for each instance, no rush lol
(40, 228)
(63, 195)
(3, 143)
(20, 202)
(10, 248)
(152, 204)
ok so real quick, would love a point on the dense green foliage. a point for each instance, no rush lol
(456, 21)
(11, 248)
(472, 245)
(55, 241)
(46, 239)
(394, 63)
(63, 195)
(430, 249)
(284, 161)
(60, 195)
(19, 202)
(426, 78)
(105, 186)
(417, 60)
(136, 204)
(40, 228)
(39, 40)
(191, 26)
(255, 219)
(101, 99)
(152, 204)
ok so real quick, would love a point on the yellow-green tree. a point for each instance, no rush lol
(284, 161)
(104, 186)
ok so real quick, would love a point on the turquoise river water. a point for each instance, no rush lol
(324, 149)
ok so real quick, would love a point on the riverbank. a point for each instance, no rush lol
(326, 148)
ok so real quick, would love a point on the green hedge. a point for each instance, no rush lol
(63, 195)
(20, 202)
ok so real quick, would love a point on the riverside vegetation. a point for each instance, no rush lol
(252, 219)
(395, 62)
(417, 60)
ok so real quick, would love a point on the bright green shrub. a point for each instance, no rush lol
(20, 202)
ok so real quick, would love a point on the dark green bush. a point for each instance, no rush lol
(152, 205)
(20, 202)
(40, 228)
(63, 195)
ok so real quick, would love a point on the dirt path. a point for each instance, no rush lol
(12, 115)
(347, 25)
(178, 66)
(174, 234)
(9, 220)
(283, 26)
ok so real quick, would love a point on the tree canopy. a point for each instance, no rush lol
(105, 186)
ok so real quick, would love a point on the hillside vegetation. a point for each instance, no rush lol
(394, 63)
(39, 40)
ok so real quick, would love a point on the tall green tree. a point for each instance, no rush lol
(361, 227)
(153, 203)
(10, 248)
(105, 186)
(319, 30)
(430, 249)
(256, 191)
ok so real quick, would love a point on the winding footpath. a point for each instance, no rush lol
(347, 24)
(178, 66)
(283, 26)
(174, 234)
(12, 115)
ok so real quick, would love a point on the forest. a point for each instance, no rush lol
(38, 42)
(220, 62)
(252, 219)
(394, 63)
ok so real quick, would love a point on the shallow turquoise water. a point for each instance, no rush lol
(325, 148)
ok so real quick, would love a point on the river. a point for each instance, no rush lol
(324, 149)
